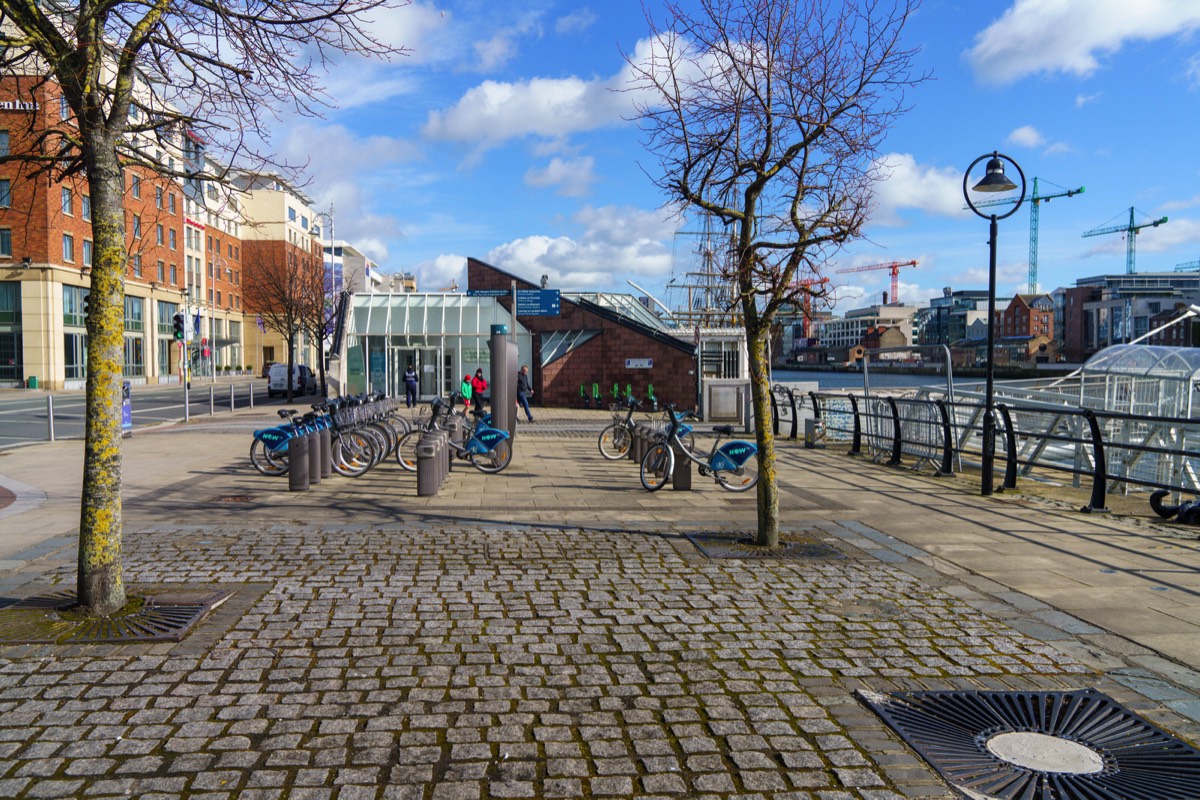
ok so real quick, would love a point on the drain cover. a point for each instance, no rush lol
(165, 617)
(1041, 745)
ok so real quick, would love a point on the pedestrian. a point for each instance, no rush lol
(478, 387)
(410, 386)
(524, 391)
(464, 389)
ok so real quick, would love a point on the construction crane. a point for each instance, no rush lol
(1035, 201)
(807, 283)
(452, 287)
(1130, 229)
(1188, 266)
(894, 266)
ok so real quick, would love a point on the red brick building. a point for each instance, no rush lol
(608, 348)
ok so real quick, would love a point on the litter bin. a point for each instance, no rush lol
(33, 381)
(814, 434)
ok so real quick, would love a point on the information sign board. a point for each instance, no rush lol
(538, 302)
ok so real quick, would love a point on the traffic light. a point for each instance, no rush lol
(178, 327)
(87, 304)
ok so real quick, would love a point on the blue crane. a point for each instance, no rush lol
(1130, 229)
(1035, 204)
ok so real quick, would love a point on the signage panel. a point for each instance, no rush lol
(538, 302)
(488, 292)
(639, 363)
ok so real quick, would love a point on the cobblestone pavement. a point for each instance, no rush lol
(439, 663)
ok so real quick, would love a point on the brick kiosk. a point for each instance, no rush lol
(616, 351)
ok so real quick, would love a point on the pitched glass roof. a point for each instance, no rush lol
(1144, 360)
(625, 304)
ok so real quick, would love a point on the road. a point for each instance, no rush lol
(23, 414)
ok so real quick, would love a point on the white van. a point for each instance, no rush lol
(303, 380)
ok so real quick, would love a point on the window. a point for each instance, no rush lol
(135, 357)
(64, 108)
(6, 242)
(304, 222)
(218, 298)
(68, 247)
(87, 252)
(172, 237)
(134, 320)
(67, 201)
(158, 197)
(210, 269)
(137, 265)
(159, 234)
(171, 203)
(230, 251)
(10, 303)
(75, 355)
(162, 272)
(85, 207)
(135, 185)
(291, 214)
(137, 226)
(3, 143)
(73, 305)
(174, 274)
(5, 193)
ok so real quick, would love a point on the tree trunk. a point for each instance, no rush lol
(99, 584)
(764, 434)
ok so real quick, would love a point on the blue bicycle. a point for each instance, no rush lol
(487, 448)
(733, 465)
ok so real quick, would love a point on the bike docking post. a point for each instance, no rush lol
(298, 464)
(429, 467)
(681, 476)
(314, 457)
(326, 440)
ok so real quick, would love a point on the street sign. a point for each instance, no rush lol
(639, 363)
(538, 302)
(488, 292)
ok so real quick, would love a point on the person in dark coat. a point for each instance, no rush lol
(410, 386)
(524, 391)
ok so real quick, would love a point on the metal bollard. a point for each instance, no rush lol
(428, 468)
(314, 458)
(298, 464)
(212, 400)
(231, 399)
(681, 476)
(635, 444)
(50, 417)
(187, 402)
(326, 453)
(251, 393)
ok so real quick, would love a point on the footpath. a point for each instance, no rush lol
(556, 631)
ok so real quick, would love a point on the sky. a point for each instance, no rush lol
(502, 136)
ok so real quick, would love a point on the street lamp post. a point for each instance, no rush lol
(994, 180)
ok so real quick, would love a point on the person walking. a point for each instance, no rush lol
(464, 389)
(410, 386)
(478, 387)
(524, 391)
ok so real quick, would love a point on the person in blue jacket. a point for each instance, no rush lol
(410, 386)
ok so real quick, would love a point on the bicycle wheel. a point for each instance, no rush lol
(614, 441)
(353, 455)
(688, 441)
(741, 479)
(657, 465)
(406, 450)
(271, 465)
(495, 460)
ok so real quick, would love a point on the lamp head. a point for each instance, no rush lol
(994, 179)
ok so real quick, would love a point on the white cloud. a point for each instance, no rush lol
(441, 273)
(573, 178)
(575, 22)
(1168, 236)
(905, 184)
(1026, 136)
(1082, 100)
(1070, 36)
(615, 241)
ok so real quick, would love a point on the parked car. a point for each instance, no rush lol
(303, 380)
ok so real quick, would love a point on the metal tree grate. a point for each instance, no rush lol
(165, 617)
(791, 546)
(1082, 745)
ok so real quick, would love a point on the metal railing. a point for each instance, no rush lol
(1118, 452)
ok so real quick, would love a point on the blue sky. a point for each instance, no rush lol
(500, 137)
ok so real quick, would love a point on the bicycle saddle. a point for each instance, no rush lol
(724, 430)
(286, 413)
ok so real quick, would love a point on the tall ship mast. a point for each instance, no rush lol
(701, 291)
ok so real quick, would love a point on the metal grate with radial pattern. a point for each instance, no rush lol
(1078, 745)
(167, 616)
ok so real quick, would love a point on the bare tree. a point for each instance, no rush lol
(145, 82)
(767, 115)
(282, 286)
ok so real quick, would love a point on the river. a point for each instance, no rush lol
(839, 380)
